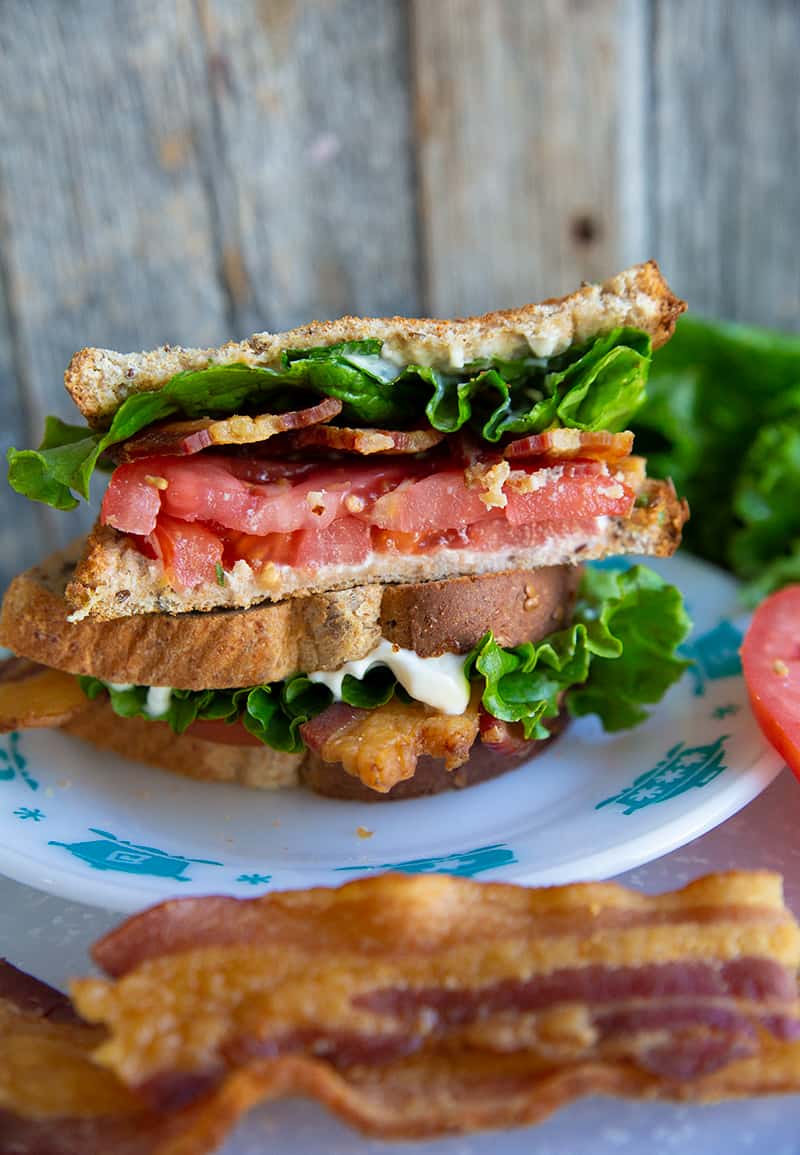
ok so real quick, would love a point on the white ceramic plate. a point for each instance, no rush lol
(89, 826)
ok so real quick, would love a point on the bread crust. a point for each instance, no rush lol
(99, 380)
(262, 768)
(267, 643)
(137, 739)
(114, 580)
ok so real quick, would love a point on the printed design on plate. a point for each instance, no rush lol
(466, 863)
(715, 654)
(723, 711)
(111, 853)
(13, 762)
(255, 879)
(24, 812)
(682, 768)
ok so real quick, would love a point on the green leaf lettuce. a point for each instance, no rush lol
(617, 657)
(596, 386)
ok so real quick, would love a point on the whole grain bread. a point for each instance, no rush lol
(113, 579)
(261, 768)
(99, 380)
(154, 743)
(224, 648)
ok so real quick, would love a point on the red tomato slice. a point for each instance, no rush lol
(345, 541)
(189, 553)
(209, 489)
(221, 732)
(570, 493)
(130, 504)
(771, 664)
(441, 501)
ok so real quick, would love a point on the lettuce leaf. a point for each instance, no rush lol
(722, 419)
(617, 657)
(596, 386)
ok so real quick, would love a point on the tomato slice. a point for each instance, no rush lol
(190, 553)
(771, 664)
(131, 504)
(227, 735)
(571, 492)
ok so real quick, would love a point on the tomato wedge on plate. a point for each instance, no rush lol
(771, 664)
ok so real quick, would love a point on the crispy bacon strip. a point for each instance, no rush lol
(563, 444)
(181, 438)
(35, 696)
(55, 1100)
(366, 441)
(410, 1006)
(381, 747)
(357, 989)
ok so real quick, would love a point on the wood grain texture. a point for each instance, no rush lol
(724, 185)
(516, 105)
(107, 235)
(313, 171)
(23, 525)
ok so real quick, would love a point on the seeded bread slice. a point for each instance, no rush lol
(225, 648)
(114, 580)
(139, 740)
(99, 380)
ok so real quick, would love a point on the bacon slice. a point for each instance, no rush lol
(34, 696)
(381, 747)
(181, 438)
(397, 974)
(365, 441)
(410, 1006)
(563, 444)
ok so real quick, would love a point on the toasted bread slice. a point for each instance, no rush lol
(140, 740)
(113, 579)
(228, 648)
(262, 768)
(99, 380)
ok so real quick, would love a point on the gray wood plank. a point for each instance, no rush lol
(516, 105)
(107, 225)
(725, 175)
(312, 166)
(22, 524)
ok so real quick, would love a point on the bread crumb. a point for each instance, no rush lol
(354, 504)
(780, 668)
(362, 832)
(490, 479)
(155, 481)
(315, 500)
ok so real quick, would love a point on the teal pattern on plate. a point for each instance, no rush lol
(13, 762)
(715, 654)
(682, 768)
(466, 862)
(111, 853)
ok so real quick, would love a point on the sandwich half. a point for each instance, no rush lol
(379, 691)
(359, 451)
(352, 554)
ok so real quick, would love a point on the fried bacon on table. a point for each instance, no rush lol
(55, 1100)
(411, 1006)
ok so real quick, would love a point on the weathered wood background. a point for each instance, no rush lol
(190, 170)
